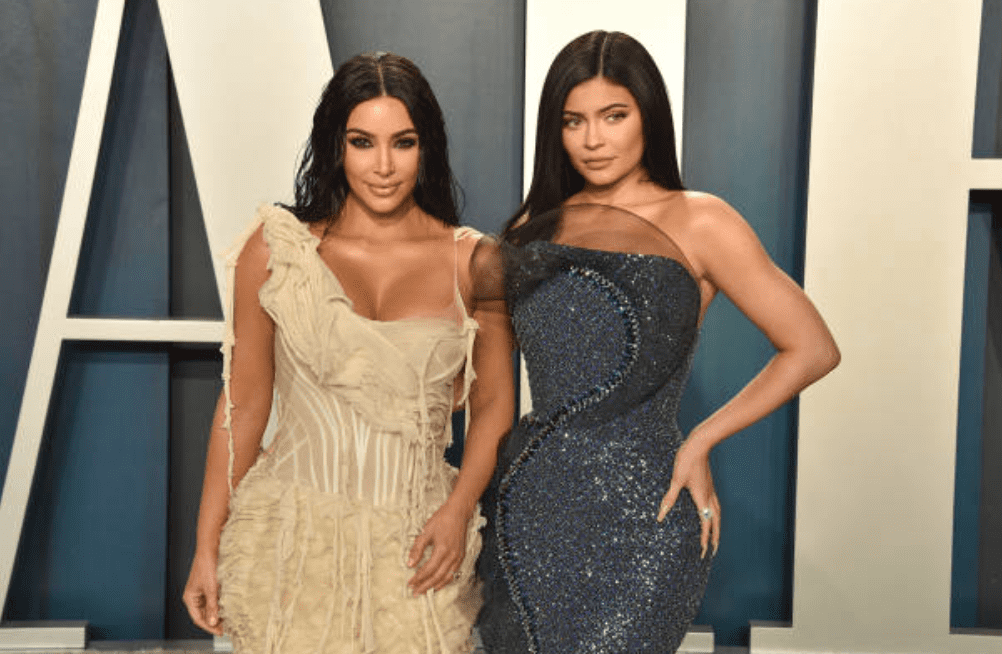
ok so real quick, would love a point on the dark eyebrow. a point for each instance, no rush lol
(397, 135)
(614, 105)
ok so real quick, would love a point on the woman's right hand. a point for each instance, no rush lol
(692, 472)
(201, 595)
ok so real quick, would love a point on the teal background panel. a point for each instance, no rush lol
(95, 537)
(747, 126)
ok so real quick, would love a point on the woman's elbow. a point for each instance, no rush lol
(826, 357)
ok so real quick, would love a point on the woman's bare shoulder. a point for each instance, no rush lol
(702, 215)
(255, 251)
(252, 264)
(703, 206)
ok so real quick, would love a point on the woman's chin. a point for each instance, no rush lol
(386, 206)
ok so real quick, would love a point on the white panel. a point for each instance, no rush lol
(985, 173)
(890, 174)
(552, 24)
(698, 640)
(249, 74)
(154, 331)
(43, 635)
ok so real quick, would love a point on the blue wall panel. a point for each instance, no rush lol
(94, 544)
(970, 417)
(747, 123)
(976, 600)
(43, 57)
(473, 55)
(123, 268)
(987, 140)
(976, 518)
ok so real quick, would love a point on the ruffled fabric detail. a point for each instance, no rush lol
(305, 571)
(318, 323)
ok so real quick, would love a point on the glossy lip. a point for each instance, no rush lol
(601, 162)
(383, 191)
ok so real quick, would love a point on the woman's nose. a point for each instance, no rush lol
(384, 162)
(593, 136)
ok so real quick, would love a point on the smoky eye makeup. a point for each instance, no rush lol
(358, 139)
(362, 140)
(570, 120)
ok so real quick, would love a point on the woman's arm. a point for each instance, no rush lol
(733, 260)
(491, 407)
(252, 371)
(736, 263)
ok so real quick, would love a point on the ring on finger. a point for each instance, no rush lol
(706, 513)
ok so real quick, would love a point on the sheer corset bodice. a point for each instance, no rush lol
(313, 554)
(371, 443)
(363, 406)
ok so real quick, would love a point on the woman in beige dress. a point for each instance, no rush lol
(354, 317)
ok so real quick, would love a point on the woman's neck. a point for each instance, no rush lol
(633, 188)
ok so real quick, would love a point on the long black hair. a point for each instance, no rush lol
(623, 60)
(321, 185)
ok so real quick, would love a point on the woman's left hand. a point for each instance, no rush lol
(692, 472)
(445, 533)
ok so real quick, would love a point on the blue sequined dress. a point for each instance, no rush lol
(606, 313)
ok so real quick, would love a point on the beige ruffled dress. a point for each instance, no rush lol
(312, 557)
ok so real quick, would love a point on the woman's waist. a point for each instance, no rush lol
(640, 432)
(319, 412)
(655, 417)
(401, 477)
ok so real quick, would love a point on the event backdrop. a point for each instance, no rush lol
(109, 531)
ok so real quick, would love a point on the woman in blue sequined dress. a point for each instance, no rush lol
(604, 515)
